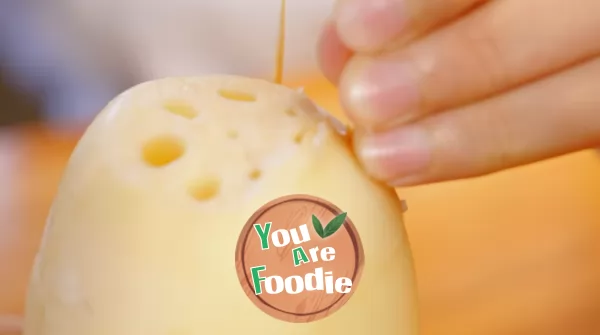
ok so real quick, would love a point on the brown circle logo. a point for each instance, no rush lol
(299, 258)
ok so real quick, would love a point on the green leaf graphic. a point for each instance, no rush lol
(317, 225)
(334, 225)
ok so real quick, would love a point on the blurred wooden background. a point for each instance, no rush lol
(514, 253)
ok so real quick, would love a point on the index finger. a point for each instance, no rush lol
(367, 26)
(332, 53)
(375, 25)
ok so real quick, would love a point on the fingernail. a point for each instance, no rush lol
(394, 155)
(367, 25)
(378, 92)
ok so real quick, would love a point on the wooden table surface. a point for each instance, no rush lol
(509, 254)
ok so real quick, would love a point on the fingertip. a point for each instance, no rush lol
(368, 25)
(396, 155)
(332, 54)
(379, 93)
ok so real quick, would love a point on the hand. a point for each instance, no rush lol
(442, 90)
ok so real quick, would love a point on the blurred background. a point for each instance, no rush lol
(513, 253)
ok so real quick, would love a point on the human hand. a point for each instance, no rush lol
(442, 90)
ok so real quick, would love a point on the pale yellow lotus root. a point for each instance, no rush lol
(142, 233)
